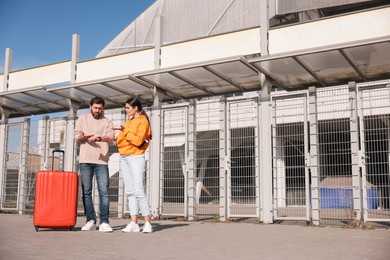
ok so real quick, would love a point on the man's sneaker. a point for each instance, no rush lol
(147, 228)
(105, 227)
(89, 226)
(131, 227)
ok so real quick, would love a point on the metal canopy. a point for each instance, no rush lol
(335, 65)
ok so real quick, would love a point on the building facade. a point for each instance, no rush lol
(262, 110)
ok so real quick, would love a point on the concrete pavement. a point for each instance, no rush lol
(191, 240)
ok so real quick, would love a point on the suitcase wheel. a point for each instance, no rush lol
(36, 228)
(71, 228)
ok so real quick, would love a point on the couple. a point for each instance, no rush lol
(94, 131)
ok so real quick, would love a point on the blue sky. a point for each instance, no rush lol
(40, 31)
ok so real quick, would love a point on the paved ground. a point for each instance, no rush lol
(191, 240)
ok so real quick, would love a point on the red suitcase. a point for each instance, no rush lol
(55, 199)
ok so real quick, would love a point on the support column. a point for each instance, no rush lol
(44, 142)
(4, 113)
(69, 156)
(7, 69)
(356, 178)
(224, 161)
(75, 57)
(314, 160)
(122, 198)
(155, 156)
(267, 10)
(265, 151)
(158, 41)
(22, 189)
(191, 178)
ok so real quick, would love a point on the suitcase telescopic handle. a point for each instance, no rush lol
(56, 151)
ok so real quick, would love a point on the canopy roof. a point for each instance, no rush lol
(331, 66)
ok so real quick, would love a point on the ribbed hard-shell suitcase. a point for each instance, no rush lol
(55, 198)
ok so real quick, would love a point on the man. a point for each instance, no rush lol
(94, 131)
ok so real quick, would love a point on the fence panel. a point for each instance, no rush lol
(244, 169)
(208, 179)
(334, 153)
(9, 194)
(173, 165)
(375, 141)
(290, 174)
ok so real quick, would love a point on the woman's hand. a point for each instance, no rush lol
(120, 128)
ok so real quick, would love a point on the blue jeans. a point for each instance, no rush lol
(87, 171)
(133, 172)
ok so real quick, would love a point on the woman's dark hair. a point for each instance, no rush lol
(97, 100)
(134, 102)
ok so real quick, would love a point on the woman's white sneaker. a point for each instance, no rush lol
(131, 227)
(147, 228)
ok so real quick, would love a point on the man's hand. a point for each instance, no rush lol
(84, 138)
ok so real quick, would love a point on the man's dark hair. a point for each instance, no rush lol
(97, 100)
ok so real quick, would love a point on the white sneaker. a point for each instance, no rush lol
(147, 228)
(105, 227)
(89, 226)
(131, 227)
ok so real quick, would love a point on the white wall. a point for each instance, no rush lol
(348, 28)
(211, 48)
(40, 76)
(113, 66)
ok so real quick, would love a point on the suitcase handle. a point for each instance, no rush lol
(56, 151)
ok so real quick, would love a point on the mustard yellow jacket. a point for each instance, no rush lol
(135, 137)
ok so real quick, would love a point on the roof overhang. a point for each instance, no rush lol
(321, 67)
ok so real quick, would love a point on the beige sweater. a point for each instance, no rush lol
(94, 152)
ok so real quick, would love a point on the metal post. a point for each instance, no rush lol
(22, 190)
(307, 158)
(224, 161)
(192, 161)
(75, 57)
(158, 41)
(356, 187)
(264, 26)
(4, 113)
(69, 139)
(265, 151)
(314, 166)
(7, 68)
(44, 141)
(122, 198)
(155, 156)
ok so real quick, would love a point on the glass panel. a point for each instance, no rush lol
(75, 94)
(9, 103)
(288, 72)
(331, 66)
(198, 75)
(101, 90)
(165, 79)
(129, 85)
(239, 73)
(373, 60)
(50, 96)
(175, 84)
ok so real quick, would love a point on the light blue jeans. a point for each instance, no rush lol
(133, 172)
(87, 171)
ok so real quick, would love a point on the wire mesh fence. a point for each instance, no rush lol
(220, 171)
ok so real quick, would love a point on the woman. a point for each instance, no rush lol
(132, 142)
